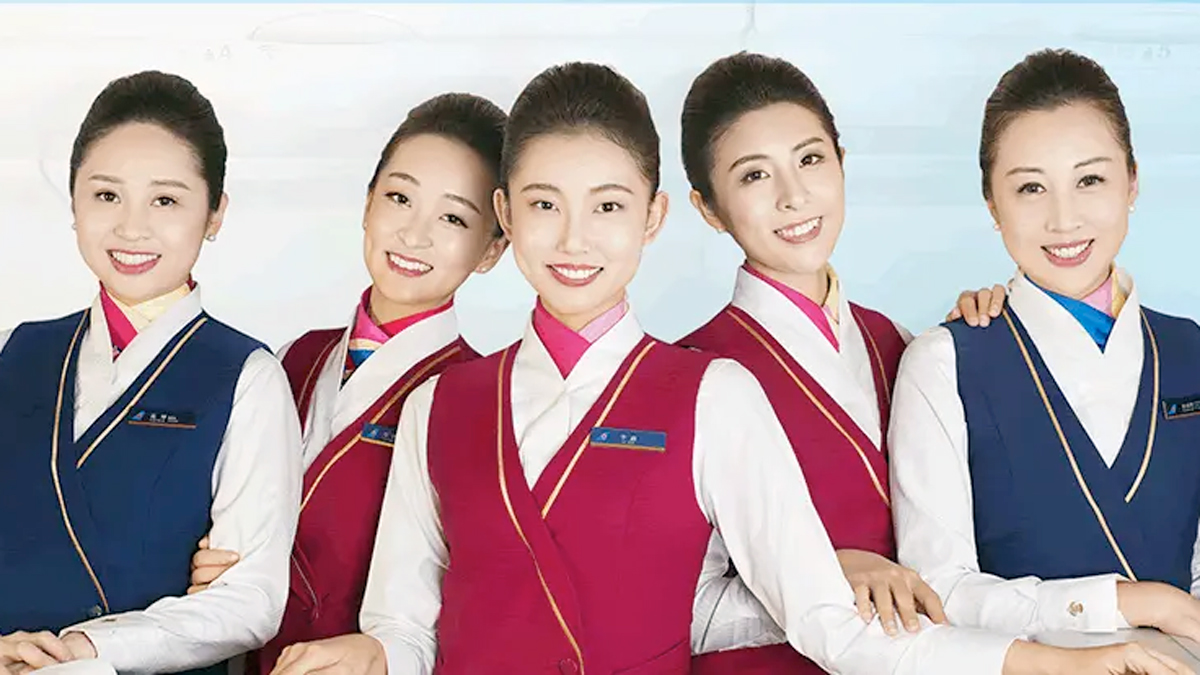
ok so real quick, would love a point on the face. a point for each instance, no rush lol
(428, 224)
(779, 191)
(141, 211)
(1061, 194)
(579, 212)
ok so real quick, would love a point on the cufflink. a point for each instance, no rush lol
(1075, 608)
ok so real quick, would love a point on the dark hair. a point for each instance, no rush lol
(1047, 80)
(168, 101)
(731, 87)
(471, 120)
(583, 97)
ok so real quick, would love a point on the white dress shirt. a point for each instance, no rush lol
(726, 615)
(256, 497)
(748, 484)
(931, 481)
(335, 406)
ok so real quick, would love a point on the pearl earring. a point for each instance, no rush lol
(211, 237)
(1131, 208)
(996, 226)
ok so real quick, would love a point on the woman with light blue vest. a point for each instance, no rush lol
(129, 429)
(1046, 468)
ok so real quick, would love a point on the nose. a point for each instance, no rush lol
(792, 194)
(133, 224)
(572, 234)
(1065, 216)
(416, 232)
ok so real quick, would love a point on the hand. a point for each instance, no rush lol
(1161, 606)
(891, 588)
(208, 564)
(1027, 658)
(978, 308)
(23, 652)
(354, 654)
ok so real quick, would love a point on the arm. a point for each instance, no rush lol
(404, 588)
(254, 510)
(752, 489)
(934, 518)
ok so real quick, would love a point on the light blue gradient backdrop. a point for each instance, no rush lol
(308, 96)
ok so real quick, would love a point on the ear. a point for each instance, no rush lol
(217, 218)
(706, 212)
(841, 151)
(503, 210)
(1133, 186)
(492, 254)
(657, 217)
(366, 208)
(991, 204)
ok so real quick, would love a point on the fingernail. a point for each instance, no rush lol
(912, 626)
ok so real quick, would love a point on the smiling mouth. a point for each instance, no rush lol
(1069, 254)
(408, 266)
(799, 233)
(575, 275)
(133, 262)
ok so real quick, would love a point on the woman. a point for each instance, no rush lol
(134, 426)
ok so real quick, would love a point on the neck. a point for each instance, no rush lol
(1076, 295)
(812, 285)
(134, 302)
(384, 311)
(576, 321)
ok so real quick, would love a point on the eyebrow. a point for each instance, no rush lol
(750, 158)
(405, 176)
(1079, 165)
(162, 182)
(464, 201)
(606, 187)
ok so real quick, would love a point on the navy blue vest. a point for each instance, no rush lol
(1031, 514)
(116, 533)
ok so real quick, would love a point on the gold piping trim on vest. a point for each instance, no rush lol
(1087, 493)
(517, 524)
(324, 354)
(599, 422)
(828, 416)
(62, 504)
(1153, 415)
(141, 392)
(883, 378)
(374, 420)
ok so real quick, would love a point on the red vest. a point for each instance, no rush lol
(343, 493)
(592, 571)
(846, 474)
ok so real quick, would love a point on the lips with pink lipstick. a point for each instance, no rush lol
(408, 266)
(1069, 254)
(574, 275)
(800, 232)
(133, 262)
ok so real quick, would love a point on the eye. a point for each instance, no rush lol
(811, 159)
(542, 205)
(610, 207)
(165, 201)
(1090, 180)
(755, 175)
(398, 197)
(1031, 189)
(455, 220)
(106, 196)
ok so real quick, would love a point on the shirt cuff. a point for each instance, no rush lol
(125, 644)
(1087, 605)
(954, 650)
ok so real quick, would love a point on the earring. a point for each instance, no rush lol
(74, 226)
(996, 226)
(211, 237)
(1131, 208)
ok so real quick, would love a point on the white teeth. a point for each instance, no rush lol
(576, 273)
(132, 258)
(801, 229)
(1068, 252)
(410, 265)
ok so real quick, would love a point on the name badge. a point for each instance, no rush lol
(378, 434)
(629, 439)
(163, 419)
(1181, 407)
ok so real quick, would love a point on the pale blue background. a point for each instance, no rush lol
(308, 95)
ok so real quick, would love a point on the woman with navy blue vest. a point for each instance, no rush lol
(1045, 467)
(133, 427)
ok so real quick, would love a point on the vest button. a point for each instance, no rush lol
(568, 667)
(94, 612)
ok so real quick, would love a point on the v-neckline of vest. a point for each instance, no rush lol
(549, 484)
